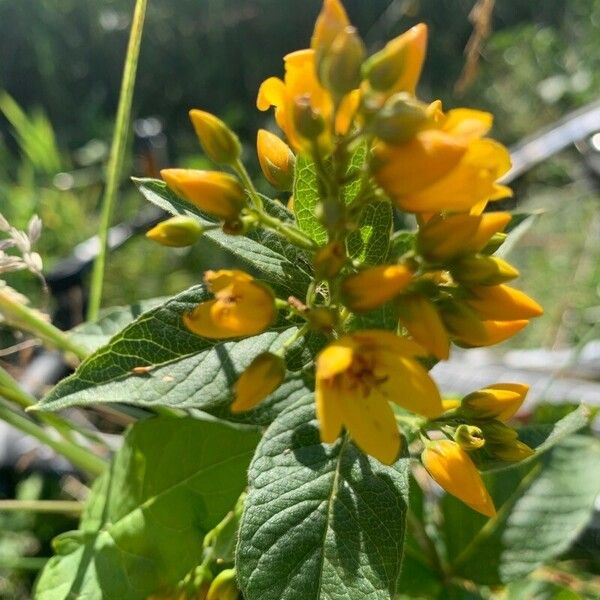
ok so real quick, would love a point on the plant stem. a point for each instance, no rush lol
(42, 506)
(10, 389)
(295, 236)
(29, 320)
(80, 457)
(117, 153)
(240, 169)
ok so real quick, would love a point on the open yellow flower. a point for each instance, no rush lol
(242, 307)
(357, 375)
(300, 82)
(452, 468)
(448, 167)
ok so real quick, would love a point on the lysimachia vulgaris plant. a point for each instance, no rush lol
(306, 357)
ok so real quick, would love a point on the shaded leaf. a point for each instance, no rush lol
(142, 531)
(321, 521)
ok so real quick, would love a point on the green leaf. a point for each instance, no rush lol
(265, 254)
(142, 531)
(369, 243)
(320, 521)
(183, 369)
(94, 334)
(542, 507)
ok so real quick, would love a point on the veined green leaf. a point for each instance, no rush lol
(369, 243)
(91, 335)
(179, 369)
(265, 254)
(142, 531)
(320, 521)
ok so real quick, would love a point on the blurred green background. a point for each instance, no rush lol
(60, 70)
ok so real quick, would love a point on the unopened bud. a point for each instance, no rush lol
(329, 260)
(322, 319)
(516, 451)
(469, 437)
(218, 194)
(495, 242)
(276, 160)
(308, 123)
(262, 377)
(498, 401)
(177, 231)
(496, 432)
(218, 141)
(397, 67)
(339, 67)
(401, 117)
(479, 269)
(224, 586)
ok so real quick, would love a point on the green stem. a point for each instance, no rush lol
(80, 457)
(10, 389)
(42, 506)
(29, 320)
(295, 236)
(240, 169)
(117, 153)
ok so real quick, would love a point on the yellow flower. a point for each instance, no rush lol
(375, 286)
(276, 160)
(242, 307)
(480, 269)
(449, 167)
(502, 303)
(498, 401)
(262, 377)
(218, 141)
(397, 67)
(300, 82)
(444, 238)
(357, 375)
(422, 320)
(452, 468)
(213, 192)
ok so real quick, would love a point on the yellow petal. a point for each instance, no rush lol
(331, 20)
(417, 164)
(328, 407)
(467, 123)
(270, 93)
(452, 468)
(380, 340)
(262, 377)
(372, 426)
(410, 386)
(335, 358)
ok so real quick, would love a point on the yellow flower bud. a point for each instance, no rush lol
(445, 238)
(224, 586)
(479, 269)
(422, 320)
(331, 21)
(218, 141)
(469, 330)
(242, 307)
(498, 401)
(450, 404)
(397, 67)
(375, 286)
(276, 160)
(452, 468)
(213, 192)
(469, 437)
(178, 231)
(339, 66)
(502, 303)
(330, 259)
(261, 378)
(400, 119)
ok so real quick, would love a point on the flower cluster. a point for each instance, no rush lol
(334, 104)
